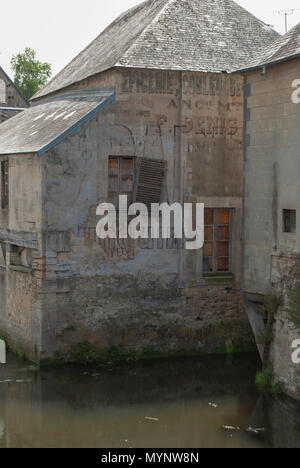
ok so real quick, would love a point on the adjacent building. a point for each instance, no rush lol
(149, 109)
(271, 195)
(11, 99)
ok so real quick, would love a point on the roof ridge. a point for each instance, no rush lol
(191, 35)
(167, 2)
(253, 16)
(275, 53)
(133, 9)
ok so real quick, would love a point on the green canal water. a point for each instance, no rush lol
(180, 403)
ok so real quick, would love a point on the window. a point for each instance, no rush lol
(289, 221)
(141, 180)
(2, 92)
(120, 178)
(20, 258)
(4, 184)
(217, 239)
(2, 255)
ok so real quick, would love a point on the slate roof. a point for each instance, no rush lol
(39, 128)
(195, 35)
(285, 48)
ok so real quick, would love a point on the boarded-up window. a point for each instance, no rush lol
(216, 249)
(2, 92)
(4, 184)
(289, 221)
(149, 181)
(121, 172)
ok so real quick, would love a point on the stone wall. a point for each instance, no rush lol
(132, 293)
(150, 311)
(21, 276)
(135, 294)
(271, 186)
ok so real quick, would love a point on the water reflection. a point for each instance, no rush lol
(186, 403)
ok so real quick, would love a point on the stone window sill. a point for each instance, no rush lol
(219, 279)
(20, 268)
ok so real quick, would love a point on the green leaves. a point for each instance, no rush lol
(30, 74)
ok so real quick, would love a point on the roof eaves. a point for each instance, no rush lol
(61, 91)
(269, 63)
(17, 109)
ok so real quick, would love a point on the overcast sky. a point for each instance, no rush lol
(60, 29)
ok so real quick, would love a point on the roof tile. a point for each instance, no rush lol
(285, 48)
(40, 127)
(195, 35)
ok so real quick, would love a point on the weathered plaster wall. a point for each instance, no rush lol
(194, 121)
(272, 168)
(129, 293)
(282, 421)
(271, 172)
(140, 294)
(20, 289)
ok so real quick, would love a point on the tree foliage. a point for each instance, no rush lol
(30, 74)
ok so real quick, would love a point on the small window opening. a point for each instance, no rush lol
(289, 221)
(4, 184)
(2, 255)
(20, 257)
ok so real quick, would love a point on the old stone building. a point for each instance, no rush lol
(271, 194)
(149, 109)
(11, 99)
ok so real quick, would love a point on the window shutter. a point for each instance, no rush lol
(149, 181)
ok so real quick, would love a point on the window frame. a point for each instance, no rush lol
(292, 225)
(3, 248)
(215, 242)
(119, 192)
(18, 258)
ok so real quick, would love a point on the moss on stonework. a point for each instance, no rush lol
(86, 353)
(229, 327)
(219, 279)
(69, 328)
(264, 382)
(273, 301)
(235, 349)
(265, 337)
